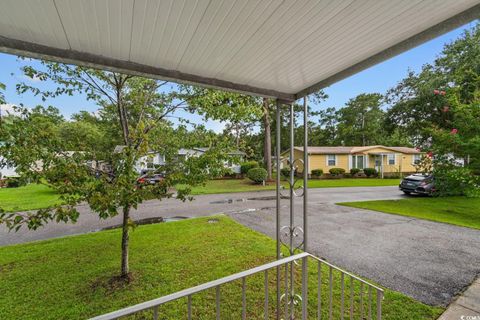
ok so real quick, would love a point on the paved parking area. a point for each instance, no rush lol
(429, 261)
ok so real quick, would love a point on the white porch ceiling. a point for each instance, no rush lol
(278, 48)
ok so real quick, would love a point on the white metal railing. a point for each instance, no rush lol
(360, 305)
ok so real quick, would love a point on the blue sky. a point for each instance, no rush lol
(375, 79)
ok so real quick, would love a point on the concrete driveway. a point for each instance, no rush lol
(426, 260)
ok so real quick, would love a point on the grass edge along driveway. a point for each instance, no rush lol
(245, 185)
(68, 278)
(460, 211)
(36, 196)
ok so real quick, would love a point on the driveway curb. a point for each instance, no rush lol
(466, 306)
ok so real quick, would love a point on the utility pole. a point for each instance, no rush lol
(363, 128)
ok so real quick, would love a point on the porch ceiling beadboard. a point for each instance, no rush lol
(277, 48)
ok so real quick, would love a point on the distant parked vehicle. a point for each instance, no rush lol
(418, 183)
(150, 179)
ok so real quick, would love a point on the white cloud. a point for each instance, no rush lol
(34, 79)
(216, 126)
(8, 109)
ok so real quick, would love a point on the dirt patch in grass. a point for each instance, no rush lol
(112, 284)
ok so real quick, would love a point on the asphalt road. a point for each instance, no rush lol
(203, 205)
(426, 260)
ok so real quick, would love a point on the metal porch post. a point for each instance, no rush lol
(305, 173)
(291, 299)
(286, 235)
(277, 220)
(305, 214)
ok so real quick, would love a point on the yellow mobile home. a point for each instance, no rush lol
(383, 159)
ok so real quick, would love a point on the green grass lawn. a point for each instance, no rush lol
(244, 185)
(460, 211)
(32, 196)
(68, 278)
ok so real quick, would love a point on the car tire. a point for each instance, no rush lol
(407, 192)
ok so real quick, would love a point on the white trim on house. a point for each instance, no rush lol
(355, 160)
(389, 155)
(334, 158)
(414, 160)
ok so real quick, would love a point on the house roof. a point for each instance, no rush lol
(405, 150)
(205, 149)
(353, 149)
(327, 150)
(279, 49)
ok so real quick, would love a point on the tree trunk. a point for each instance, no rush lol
(237, 138)
(125, 239)
(267, 140)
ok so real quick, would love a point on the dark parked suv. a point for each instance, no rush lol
(418, 183)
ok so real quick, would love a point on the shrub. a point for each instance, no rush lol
(337, 171)
(13, 183)
(317, 172)
(285, 172)
(257, 175)
(455, 181)
(246, 166)
(354, 171)
(370, 172)
(228, 173)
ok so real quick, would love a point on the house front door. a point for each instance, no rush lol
(378, 163)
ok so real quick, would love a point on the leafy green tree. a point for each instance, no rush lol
(463, 138)
(360, 121)
(137, 110)
(326, 132)
(244, 113)
(420, 101)
(439, 110)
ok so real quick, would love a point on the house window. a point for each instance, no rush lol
(391, 159)
(150, 163)
(358, 162)
(417, 158)
(331, 160)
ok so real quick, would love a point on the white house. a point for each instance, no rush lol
(232, 164)
(154, 159)
(149, 162)
(7, 171)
